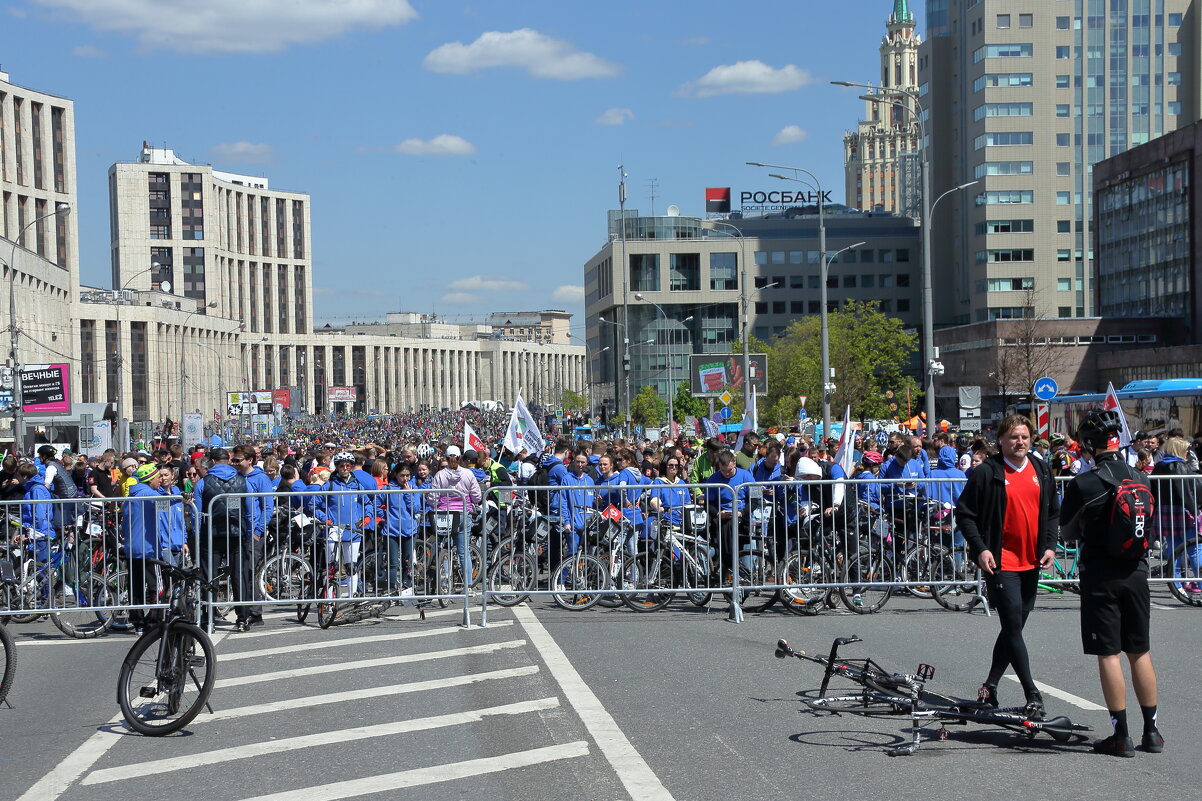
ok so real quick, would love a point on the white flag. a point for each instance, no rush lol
(1112, 403)
(845, 455)
(472, 441)
(748, 422)
(522, 431)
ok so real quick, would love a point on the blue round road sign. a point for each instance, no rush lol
(1046, 389)
(725, 412)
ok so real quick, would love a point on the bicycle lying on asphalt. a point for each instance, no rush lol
(169, 672)
(883, 693)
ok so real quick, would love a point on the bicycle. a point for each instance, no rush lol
(45, 589)
(676, 560)
(884, 693)
(168, 674)
(8, 647)
(1065, 572)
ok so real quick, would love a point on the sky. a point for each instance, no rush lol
(460, 157)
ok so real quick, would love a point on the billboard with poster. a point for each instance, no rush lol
(711, 373)
(45, 388)
(343, 394)
(248, 403)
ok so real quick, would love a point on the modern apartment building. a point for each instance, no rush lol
(879, 157)
(1025, 96)
(694, 271)
(213, 236)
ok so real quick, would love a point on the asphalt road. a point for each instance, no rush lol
(605, 704)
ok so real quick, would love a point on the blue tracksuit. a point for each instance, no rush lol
(262, 508)
(140, 523)
(347, 511)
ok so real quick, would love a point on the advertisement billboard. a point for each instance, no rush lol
(282, 397)
(247, 403)
(343, 394)
(45, 388)
(712, 373)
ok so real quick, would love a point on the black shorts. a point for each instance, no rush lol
(1116, 614)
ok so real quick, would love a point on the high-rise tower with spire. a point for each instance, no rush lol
(874, 153)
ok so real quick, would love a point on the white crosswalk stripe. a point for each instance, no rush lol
(348, 642)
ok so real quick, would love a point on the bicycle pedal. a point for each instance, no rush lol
(149, 691)
(942, 734)
(196, 661)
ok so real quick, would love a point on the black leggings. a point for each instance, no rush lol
(1012, 594)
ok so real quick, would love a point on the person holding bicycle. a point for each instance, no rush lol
(456, 479)
(141, 540)
(400, 524)
(1008, 513)
(349, 512)
(578, 493)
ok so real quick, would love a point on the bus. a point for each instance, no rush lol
(1151, 406)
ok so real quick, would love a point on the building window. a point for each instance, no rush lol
(867, 281)
(1064, 226)
(1002, 51)
(1062, 109)
(1062, 168)
(1064, 285)
(1001, 80)
(1003, 110)
(644, 272)
(724, 271)
(1009, 197)
(684, 272)
(1003, 139)
(1026, 20)
(1174, 20)
(1062, 82)
(1062, 140)
(885, 280)
(1003, 168)
(1062, 23)
(1009, 284)
(1005, 227)
(1063, 198)
(761, 307)
(1064, 51)
(1003, 20)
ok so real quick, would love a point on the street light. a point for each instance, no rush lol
(14, 330)
(122, 439)
(220, 385)
(744, 302)
(828, 384)
(625, 379)
(183, 387)
(671, 417)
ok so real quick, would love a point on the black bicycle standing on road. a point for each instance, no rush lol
(8, 648)
(169, 672)
(886, 694)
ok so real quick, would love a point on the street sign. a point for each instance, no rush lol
(803, 399)
(725, 413)
(803, 414)
(1043, 419)
(970, 424)
(726, 398)
(1046, 389)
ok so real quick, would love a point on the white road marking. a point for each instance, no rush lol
(331, 642)
(371, 692)
(251, 750)
(365, 663)
(429, 775)
(1068, 697)
(298, 628)
(633, 771)
(79, 761)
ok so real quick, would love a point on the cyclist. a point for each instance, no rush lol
(37, 517)
(578, 494)
(400, 524)
(349, 513)
(460, 495)
(727, 498)
(140, 539)
(666, 498)
(869, 492)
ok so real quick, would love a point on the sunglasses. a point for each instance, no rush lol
(674, 464)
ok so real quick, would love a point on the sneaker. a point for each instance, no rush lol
(240, 625)
(988, 695)
(1115, 746)
(857, 601)
(558, 587)
(1152, 742)
(1034, 706)
(254, 620)
(1193, 588)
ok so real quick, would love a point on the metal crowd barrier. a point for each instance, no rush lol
(633, 545)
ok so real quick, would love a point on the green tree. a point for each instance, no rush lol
(684, 404)
(869, 351)
(575, 401)
(647, 408)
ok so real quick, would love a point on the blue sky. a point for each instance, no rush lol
(461, 157)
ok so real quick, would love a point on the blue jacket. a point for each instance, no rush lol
(172, 532)
(261, 508)
(140, 522)
(555, 470)
(947, 492)
(225, 472)
(911, 471)
(569, 501)
(347, 511)
(671, 498)
(400, 512)
(869, 493)
(722, 498)
(37, 516)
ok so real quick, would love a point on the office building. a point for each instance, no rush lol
(1026, 96)
(879, 157)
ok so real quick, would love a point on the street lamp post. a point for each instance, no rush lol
(827, 384)
(14, 329)
(671, 417)
(183, 386)
(826, 339)
(122, 439)
(744, 301)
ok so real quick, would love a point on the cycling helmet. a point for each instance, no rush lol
(1097, 428)
(963, 441)
(871, 457)
(344, 456)
(424, 451)
(1058, 439)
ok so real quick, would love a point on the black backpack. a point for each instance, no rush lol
(541, 478)
(226, 518)
(1126, 523)
(63, 486)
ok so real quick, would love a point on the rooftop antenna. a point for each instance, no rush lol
(653, 190)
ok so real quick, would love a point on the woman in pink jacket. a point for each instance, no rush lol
(463, 496)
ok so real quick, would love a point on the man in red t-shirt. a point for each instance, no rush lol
(1009, 513)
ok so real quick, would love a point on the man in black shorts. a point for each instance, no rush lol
(1115, 603)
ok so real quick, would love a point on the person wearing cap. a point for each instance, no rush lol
(350, 510)
(462, 497)
(140, 539)
(1139, 441)
(128, 466)
(56, 480)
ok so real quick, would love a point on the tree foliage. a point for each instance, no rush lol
(684, 404)
(575, 401)
(869, 351)
(647, 408)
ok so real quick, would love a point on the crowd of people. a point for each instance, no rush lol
(1004, 494)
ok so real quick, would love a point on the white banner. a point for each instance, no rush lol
(522, 433)
(102, 439)
(193, 429)
(845, 455)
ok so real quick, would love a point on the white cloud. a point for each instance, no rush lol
(233, 26)
(540, 55)
(460, 297)
(441, 145)
(569, 294)
(87, 51)
(747, 78)
(245, 153)
(487, 283)
(615, 116)
(790, 134)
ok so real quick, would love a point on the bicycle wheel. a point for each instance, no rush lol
(283, 577)
(864, 704)
(158, 699)
(868, 584)
(327, 609)
(584, 579)
(512, 578)
(763, 571)
(626, 574)
(86, 622)
(118, 591)
(918, 565)
(25, 597)
(654, 576)
(964, 595)
(8, 653)
(1188, 592)
(799, 570)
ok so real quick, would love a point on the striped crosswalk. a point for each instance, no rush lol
(366, 710)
